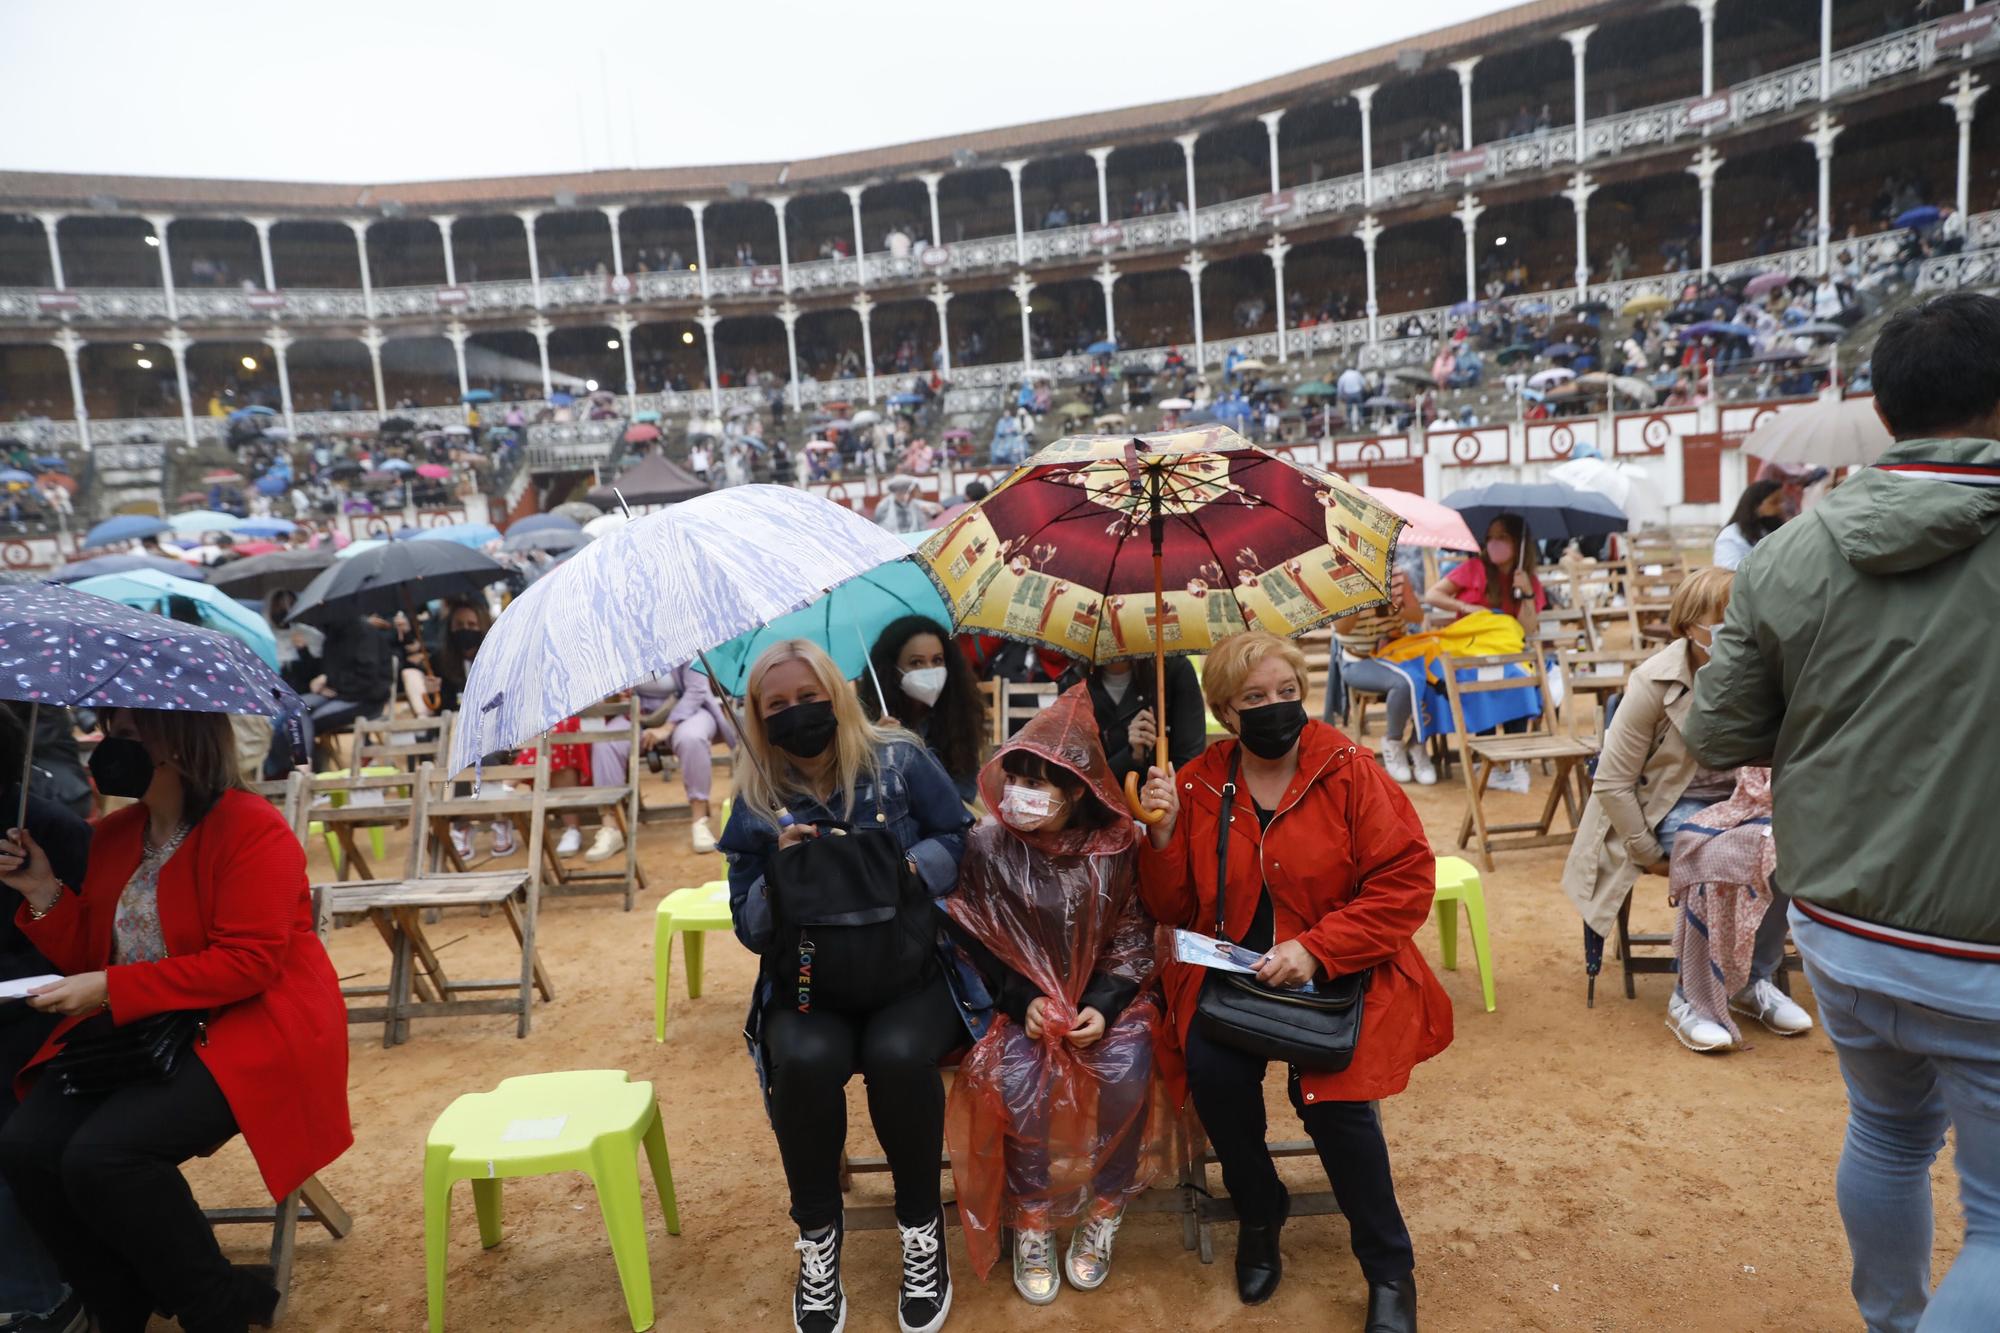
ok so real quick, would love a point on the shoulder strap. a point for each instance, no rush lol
(1222, 838)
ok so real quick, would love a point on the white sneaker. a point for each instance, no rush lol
(571, 841)
(607, 844)
(1695, 1032)
(503, 837)
(1421, 765)
(461, 841)
(1510, 777)
(1396, 760)
(1763, 1001)
(1034, 1266)
(704, 840)
(1088, 1262)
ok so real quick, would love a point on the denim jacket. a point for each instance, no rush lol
(915, 800)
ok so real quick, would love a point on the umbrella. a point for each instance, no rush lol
(1840, 434)
(125, 528)
(1923, 215)
(178, 599)
(273, 484)
(469, 535)
(1580, 330)
(267, 527)
(648, 418)
(1543, 379)
(544, 539)
(1531, 307)
(837, 423)
(381, 479)
(281, 571)
(1467, 307)
(867, 417)
(1636, 389)
(903, 400)
(458, 430)
(1720, 328)
(1626, 485)
(125, 564)
(1135, 370)
(392, 577)
(1766, 283)
(543, 523)
(1310, 389)
(195, 522)
(396, 465)
(1176, 404)
(433, 471)
(63, 480)
(1102, 347)
(1058, 555)
(561, 399)
(1429, 523)
(641, 434)
(1817, 329)
(1779, 354)
(1648, 303)
(1070, 411)
(1252, 365)
(1384, 403)
(1111, 419)
(1411, 375)
(1552, 509)
(1517, 352)
(739, 410)
(578, 511)
(1557, 351)
(655, 480)
(653, 596)
(246, 413)
(846, 622)
(352, 549)
(604, 523)
(479, 396)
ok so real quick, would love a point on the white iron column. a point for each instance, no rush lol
(372, 339)
(1825, 49)
(528, 216)
(359, 226)
(789, 313)
(51, 221)
(941, 298)
(444, 221)
(624, 323)
(541, 328)
(1964, 97)
(1102, 157)
(708, 319)
(699, 207)
(613, 212)
(458, 333)
(1706, 164)
(1581, 187)
(1822, 137)
(1578, 39)
(1277, 248)
(1464, 68)
(1193, 268)
(1370, 231)
(1705, 11)
(863, 307)
(1020, 225)
(1364, 97)
(263, 226)
(1107, 278)
(72, 345)
(280, 343)
(777, 203)
(1186, 141)
(854, 193)
(1468, 211)
(1271, 119)
(160, 222)
(178, 343)
(931, 180)
(1023, 288)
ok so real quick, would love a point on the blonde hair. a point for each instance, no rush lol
(1222, 676)
(1700, 598)
(771, 777)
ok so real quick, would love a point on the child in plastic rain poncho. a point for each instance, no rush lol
(1056, 1114)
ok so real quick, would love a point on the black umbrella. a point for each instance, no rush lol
(394, 577)
(78, 570)
(280, 571)
(1551, 509)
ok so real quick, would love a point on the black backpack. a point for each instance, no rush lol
(855, 927)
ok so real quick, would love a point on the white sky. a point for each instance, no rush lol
(388, 90)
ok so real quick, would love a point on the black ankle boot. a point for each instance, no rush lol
(1259, 1264)
(1392, 1306)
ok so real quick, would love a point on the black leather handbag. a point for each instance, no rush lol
(1314, 1031)
(856, 927)
(102, 1056)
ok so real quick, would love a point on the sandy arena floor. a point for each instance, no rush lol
(1561, 1168)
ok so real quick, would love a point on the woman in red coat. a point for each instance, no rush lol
(195, 900)
(1329, 873)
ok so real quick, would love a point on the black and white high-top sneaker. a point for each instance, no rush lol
(925, 1297)
(819, 1302)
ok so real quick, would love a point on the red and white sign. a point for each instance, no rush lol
(1974, 25)
(1277, 205)
(1711, 110)
(934, 256)
(767, 276)
(621, 287)
(57, 301)
(264, 300)
(1471, 162)
(453, 296)
(1107, 233)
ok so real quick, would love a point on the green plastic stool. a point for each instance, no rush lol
(687, 913)
(376, 835)
(591, 1120)
(1458, 882)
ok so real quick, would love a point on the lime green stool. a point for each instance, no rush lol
(1458, 882)
(687, 913)
(376, 835)
(591, 1120)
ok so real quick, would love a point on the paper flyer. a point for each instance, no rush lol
(1208, 951)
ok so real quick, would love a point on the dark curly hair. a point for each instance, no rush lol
(957, 728)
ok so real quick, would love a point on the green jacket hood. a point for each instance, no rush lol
(1896, 517)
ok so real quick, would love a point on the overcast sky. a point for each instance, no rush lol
(388, 90)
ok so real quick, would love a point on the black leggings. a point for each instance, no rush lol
(810, 1057)
(1228, 1090)
(98, 1177)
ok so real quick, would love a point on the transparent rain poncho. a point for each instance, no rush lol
(1041, 1132)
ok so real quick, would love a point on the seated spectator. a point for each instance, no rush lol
(901, 509)
(1500, 578)
(1122, 694)
(1760, 511)
(930, 689)
(359, 673)
(194, 901)
(688, 719)
(1359, 637)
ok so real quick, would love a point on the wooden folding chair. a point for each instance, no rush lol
(1542, 741)
(618, 806)
(1020, 702)
(1595, 677)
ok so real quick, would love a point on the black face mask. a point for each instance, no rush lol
(803, 731)
(120, 766)
(465, 642)
(1271, 730)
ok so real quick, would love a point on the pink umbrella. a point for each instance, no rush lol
(1765, 283)
(434, 471)
(1430, 523)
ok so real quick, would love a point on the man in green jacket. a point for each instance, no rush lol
(1858, 659)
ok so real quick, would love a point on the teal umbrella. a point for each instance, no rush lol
(846, 622)
(178, 599)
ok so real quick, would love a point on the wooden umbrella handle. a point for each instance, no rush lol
(1144, 816)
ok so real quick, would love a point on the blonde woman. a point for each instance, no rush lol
(816, 768)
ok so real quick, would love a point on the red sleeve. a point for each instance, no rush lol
(1166, 885)
(258, 883)
(62, 936)
(1469, 575)
(1398, 877)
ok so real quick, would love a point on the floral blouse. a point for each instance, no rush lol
(136, 936)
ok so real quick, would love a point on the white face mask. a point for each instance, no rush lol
(924, 685)
(1027, 808)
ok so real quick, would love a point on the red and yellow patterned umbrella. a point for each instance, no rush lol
(1118, 546)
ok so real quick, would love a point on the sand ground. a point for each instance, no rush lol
(1560, 1167)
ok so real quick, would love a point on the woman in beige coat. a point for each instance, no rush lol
(1647, 785)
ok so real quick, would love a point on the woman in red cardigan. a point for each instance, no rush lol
(1329, 873)
(195, 899)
